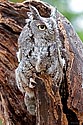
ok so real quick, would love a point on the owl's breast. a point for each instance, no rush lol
(44, 56)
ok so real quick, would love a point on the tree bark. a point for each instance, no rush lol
(61, 105)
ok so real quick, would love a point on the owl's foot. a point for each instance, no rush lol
(32, 83)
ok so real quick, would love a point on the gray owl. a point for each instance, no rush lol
(40, 51)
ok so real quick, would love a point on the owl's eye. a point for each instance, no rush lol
(42, 27)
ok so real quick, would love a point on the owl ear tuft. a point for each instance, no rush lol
(34, 14)
(53, 12)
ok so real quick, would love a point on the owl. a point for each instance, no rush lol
(40, 51)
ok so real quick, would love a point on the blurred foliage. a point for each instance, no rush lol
(63, 7)
(0, 122)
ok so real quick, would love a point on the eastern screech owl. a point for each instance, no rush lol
(39, 51)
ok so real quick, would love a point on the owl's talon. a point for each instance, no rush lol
(32, 83)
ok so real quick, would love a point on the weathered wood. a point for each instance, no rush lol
(12, 108)
(55, 106)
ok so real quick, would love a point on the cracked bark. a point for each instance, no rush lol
(65, 107)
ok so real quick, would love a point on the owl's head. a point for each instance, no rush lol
(41, 26)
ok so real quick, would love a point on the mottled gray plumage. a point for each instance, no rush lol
(39, 51)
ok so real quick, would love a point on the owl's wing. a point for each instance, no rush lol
(25, 43)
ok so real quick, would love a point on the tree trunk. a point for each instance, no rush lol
(61, 105)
